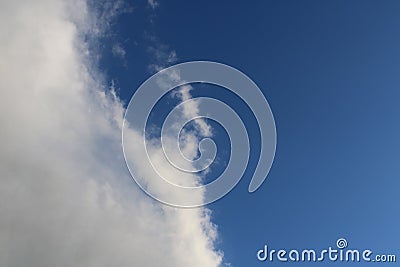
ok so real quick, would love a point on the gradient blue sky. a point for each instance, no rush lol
(330, 71)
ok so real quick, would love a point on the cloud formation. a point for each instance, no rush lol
(118, 51)
(66, 197)
(153, 3)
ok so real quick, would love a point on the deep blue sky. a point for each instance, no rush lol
(330, 71)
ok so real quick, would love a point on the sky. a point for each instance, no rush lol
(70, 67)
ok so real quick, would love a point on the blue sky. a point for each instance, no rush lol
(329, 71)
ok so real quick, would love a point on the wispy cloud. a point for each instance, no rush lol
(118, 51)
(66, 198)
(153, 3)
(161, 56)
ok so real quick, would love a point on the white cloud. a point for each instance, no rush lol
(66, 198)
(153, 3)
(162, 56)
(192, 110)
(118, 51)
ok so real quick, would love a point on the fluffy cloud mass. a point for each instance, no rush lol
(66, 197)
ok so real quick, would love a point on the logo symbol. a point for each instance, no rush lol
(341, 243)
(143, 102)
